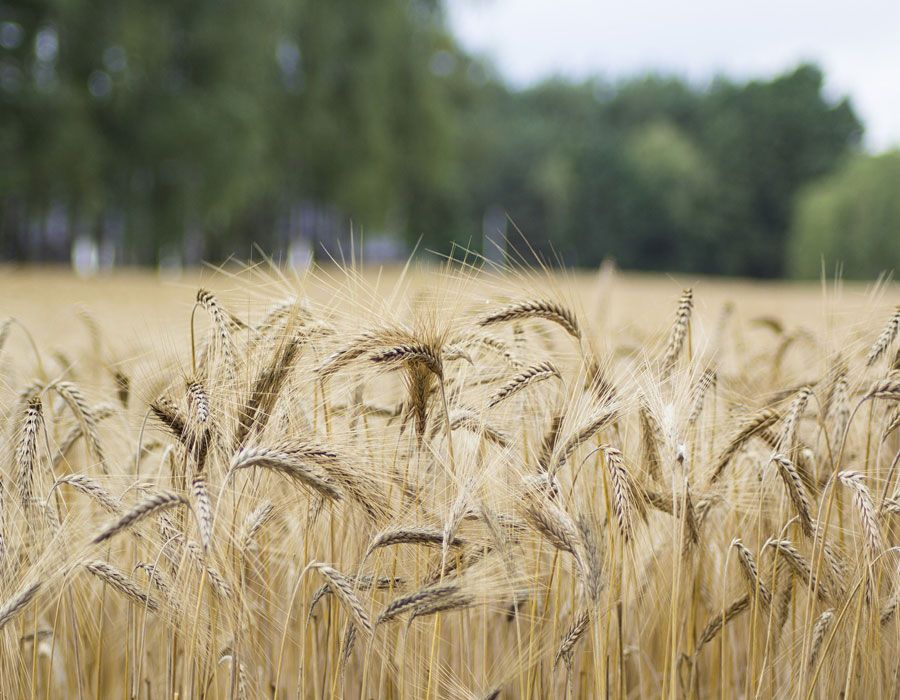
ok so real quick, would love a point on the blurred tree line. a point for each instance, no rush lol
(192, 130)
(851, 218)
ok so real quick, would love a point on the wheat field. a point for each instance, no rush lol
(450, 482)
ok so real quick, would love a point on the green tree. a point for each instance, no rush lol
(207, 120)
(636, 175)
(654, 171)
(765, 141)
(673, 187)
(362, 123)
(210, 126)
(850, 219)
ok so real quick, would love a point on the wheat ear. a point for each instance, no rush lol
(678, 332)
(121, 582)
(885, 338)
(531, 375)
(154, 504)
(535, 308)
(17, 603)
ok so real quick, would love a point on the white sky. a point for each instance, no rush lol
(856, 42)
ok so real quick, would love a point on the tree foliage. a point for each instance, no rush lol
(200, 128)
(663, 175)
(850, 219)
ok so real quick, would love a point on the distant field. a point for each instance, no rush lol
(147, 301)
(441, 484)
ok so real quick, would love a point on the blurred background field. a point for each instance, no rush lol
(143, 310)
(755, 143)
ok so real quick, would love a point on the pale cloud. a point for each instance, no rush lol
(857, 44)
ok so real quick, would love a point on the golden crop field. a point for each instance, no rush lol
(447, 483)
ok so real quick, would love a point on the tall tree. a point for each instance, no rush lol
(850, 219)
(766, 140)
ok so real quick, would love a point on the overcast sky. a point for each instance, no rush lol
(856, 43)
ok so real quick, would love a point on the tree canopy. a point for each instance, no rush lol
(197, 129)
(850, 219)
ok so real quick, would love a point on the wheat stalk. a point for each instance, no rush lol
(254, 522)
(799, 564)
(792, 419)
(717, 622)
(365, 582)
(198, 401)
(203, 509)
(90, 487)
(794, 484)
(751, 573)
(446, 604)
(707, 381)
(821, 627)
(101, 412)
(73, 397)
(535, 308)
(531, 375)
(222, 322)
(267, 388)
(678, 332)
(410, 353)
(622, 491)
(572, 636)
(887, 389)
(582, 434)
(343, 590)
(290, 464)
(414, 535)
(469, 420)
(867, 513)
(149, 506)
(121, 583)
(15, 605)
(26, 450)
(884, 339)
(758, 421)
(430, 595)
